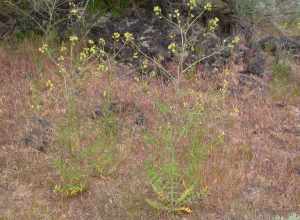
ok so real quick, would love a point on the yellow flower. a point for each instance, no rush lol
(49, 85)
(91, 42)
(63, 49)
(236, 40)
(236, 110)
(208, 7)
(116, 36)
(135, 55)
(102, 68)
(184, 210)
(157, 10)
(93, 50)
(44, 48)
(128, 37)
(213, 24)
(102, 41)
(176, 13)
(172, 47)
(73, 38)
(61, 58)
(192, 4)
(145, 64)
(227, 72)
(74, 11)
(82, 56)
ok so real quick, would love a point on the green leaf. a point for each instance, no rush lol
(157, 205)
(185, 195)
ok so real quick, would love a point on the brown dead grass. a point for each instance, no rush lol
(251, 175)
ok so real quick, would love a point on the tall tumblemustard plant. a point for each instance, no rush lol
(175, 179)
(183, 26)
(78, 160)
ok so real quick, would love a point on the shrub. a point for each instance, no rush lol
(281, 71)
(293, 216)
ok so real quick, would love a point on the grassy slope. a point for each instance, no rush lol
(250, 176)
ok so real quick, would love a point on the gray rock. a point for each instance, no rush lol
(277, 44)
(39, 134)
(7, 25)
(256, 64)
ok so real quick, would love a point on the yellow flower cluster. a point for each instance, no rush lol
(192, 4)
(157, 10)
(73, 39)
(176, 13)
(44, 48)
(50, 85)
(234, 42)
(145, 64)
(128, 37)
(61, 58)
(63, 48)
(87, 52)
(74, 10)
(102, 41)
(208, 7)
(172, 47)
(213, 24)
(135, 55)
(102, 67)
(116, 36)
(91, 42)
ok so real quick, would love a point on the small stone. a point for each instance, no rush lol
(140, 119)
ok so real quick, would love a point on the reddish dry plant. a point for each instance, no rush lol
(254, 170)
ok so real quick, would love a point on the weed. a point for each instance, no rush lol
(282, 87)
(293, 216)
(175, 171)
(281, 71)
(72, 179)
(86, 147)
(183, 26)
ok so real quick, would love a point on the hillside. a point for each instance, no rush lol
(148, 110)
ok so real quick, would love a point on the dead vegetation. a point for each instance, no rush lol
(251, 172)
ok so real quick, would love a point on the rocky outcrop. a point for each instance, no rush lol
(275, 45)
(7, 25)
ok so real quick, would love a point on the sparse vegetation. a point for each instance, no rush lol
(183, 132)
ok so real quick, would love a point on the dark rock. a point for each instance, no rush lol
(269, 44)
(153, 37)
(290, 44)
(256, 64)
(140, 119)
(39, 134)
(276, 44)
(150, 32)
(240, 53)
(7, 25)
(97, 113)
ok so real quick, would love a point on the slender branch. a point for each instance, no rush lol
(193, 22)
(203, 58)
(166, 72)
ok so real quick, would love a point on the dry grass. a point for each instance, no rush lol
(251, 176)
